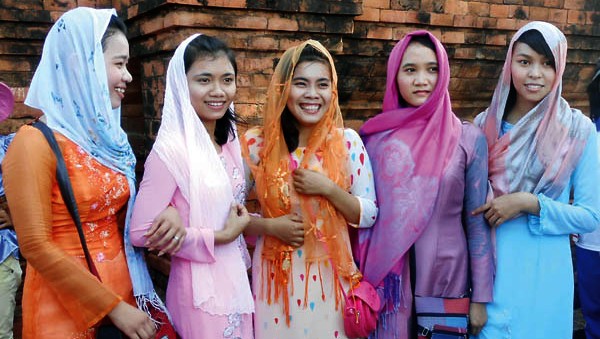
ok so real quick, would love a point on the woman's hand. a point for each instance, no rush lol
(288, 228)
(133, 322)
(506, 207)
(167, 232)
(477, 317)
(310, 182)
(236, 222)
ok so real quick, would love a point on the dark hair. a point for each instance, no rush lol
(115, 25)
(205, 46)
(423, 40)
(289, 127)
(593, 91)
(534, 39)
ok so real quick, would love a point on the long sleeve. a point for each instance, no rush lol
(481, 256)
(361, 178)
(584, 214)
(29, 170)
(157, 190)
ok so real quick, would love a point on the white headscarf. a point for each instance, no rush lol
(185, 147)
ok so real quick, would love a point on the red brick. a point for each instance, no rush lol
(263, 43)
(387, 15)
(381, 4)
(282, 24)
(576, 17)
(479, 8)
(400, 32)
(499, 11)
(486, 22)
(496, 39)
(10, 64)
(380, 33)
(509, 24)
(412, 17)
(554, 3)
(227, 3)
(441, 19)
(539, 13)
(153, 69)
(457, 7)
(557, 16)
(575, 4)
(453, 37)
(252, 22)
(465, 53)
(464, 21)
(518, 12)
(369, 14)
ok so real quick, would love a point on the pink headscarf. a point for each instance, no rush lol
(541, 151)
(183, 144)
(409, 148)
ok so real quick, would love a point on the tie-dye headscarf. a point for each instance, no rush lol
(70, 86)
(185, 147)
(541, 151)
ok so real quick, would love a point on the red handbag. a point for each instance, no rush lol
(361, 310)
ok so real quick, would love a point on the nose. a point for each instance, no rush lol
(420, 78)
(217, 89)
(311, 91)
(126, 75)
(535, 71)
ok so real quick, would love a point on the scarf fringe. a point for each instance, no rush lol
(143, 302)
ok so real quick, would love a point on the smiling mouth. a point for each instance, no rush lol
(313, 108)
(120, 90)
(534, 86)
(216, 104)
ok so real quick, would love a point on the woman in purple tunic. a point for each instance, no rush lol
(430, 173)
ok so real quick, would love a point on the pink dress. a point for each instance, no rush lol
(157, 190)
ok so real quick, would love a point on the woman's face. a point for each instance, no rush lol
(532, 75)
(211, 81)
(418, 74)
(116, 56)
(311, 92)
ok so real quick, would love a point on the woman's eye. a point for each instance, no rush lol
(409, 70)
(433, 69)
(228, 80)
(203, 80)
(524, 62)
(324, 85)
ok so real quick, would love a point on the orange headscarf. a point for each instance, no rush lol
(274, 188)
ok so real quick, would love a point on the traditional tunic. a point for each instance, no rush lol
(61, 298)
(550, 152)
(314, 312)
(159, 190)
(533, 291)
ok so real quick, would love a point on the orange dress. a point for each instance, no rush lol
(61, 298)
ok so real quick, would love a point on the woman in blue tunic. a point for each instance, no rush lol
(540, 150)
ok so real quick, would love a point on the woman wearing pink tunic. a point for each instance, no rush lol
(196, 167)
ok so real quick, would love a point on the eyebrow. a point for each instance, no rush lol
(123, 56)
(306, 79)
(208, 74)
(413, 64)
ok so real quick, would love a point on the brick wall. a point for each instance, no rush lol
(360, 35)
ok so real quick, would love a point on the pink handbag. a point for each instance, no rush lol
(361, 310)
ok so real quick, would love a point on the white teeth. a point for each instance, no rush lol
(215, 104)
(534, 86)
(310, 107)
(120, 90)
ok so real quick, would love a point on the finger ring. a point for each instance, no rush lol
(176, 238)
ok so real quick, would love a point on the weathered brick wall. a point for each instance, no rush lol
(360, 35)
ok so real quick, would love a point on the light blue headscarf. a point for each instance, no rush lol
(70, 86)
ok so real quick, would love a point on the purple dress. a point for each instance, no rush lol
(443, 252)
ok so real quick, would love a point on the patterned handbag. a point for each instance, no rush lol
(442, 317)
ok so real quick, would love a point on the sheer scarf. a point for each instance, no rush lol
(409, 148)
(70, 87)
(541, 151)
(324, 226)
(183, 144)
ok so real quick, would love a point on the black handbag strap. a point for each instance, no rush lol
(66, 191)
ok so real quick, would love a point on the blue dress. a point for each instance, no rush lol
(533, 289)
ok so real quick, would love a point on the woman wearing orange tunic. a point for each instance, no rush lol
(78, 85)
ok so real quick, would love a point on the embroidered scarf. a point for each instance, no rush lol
(183, 144)
(70, 86)
(541, 151)
(323, 224)
(409, 149)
